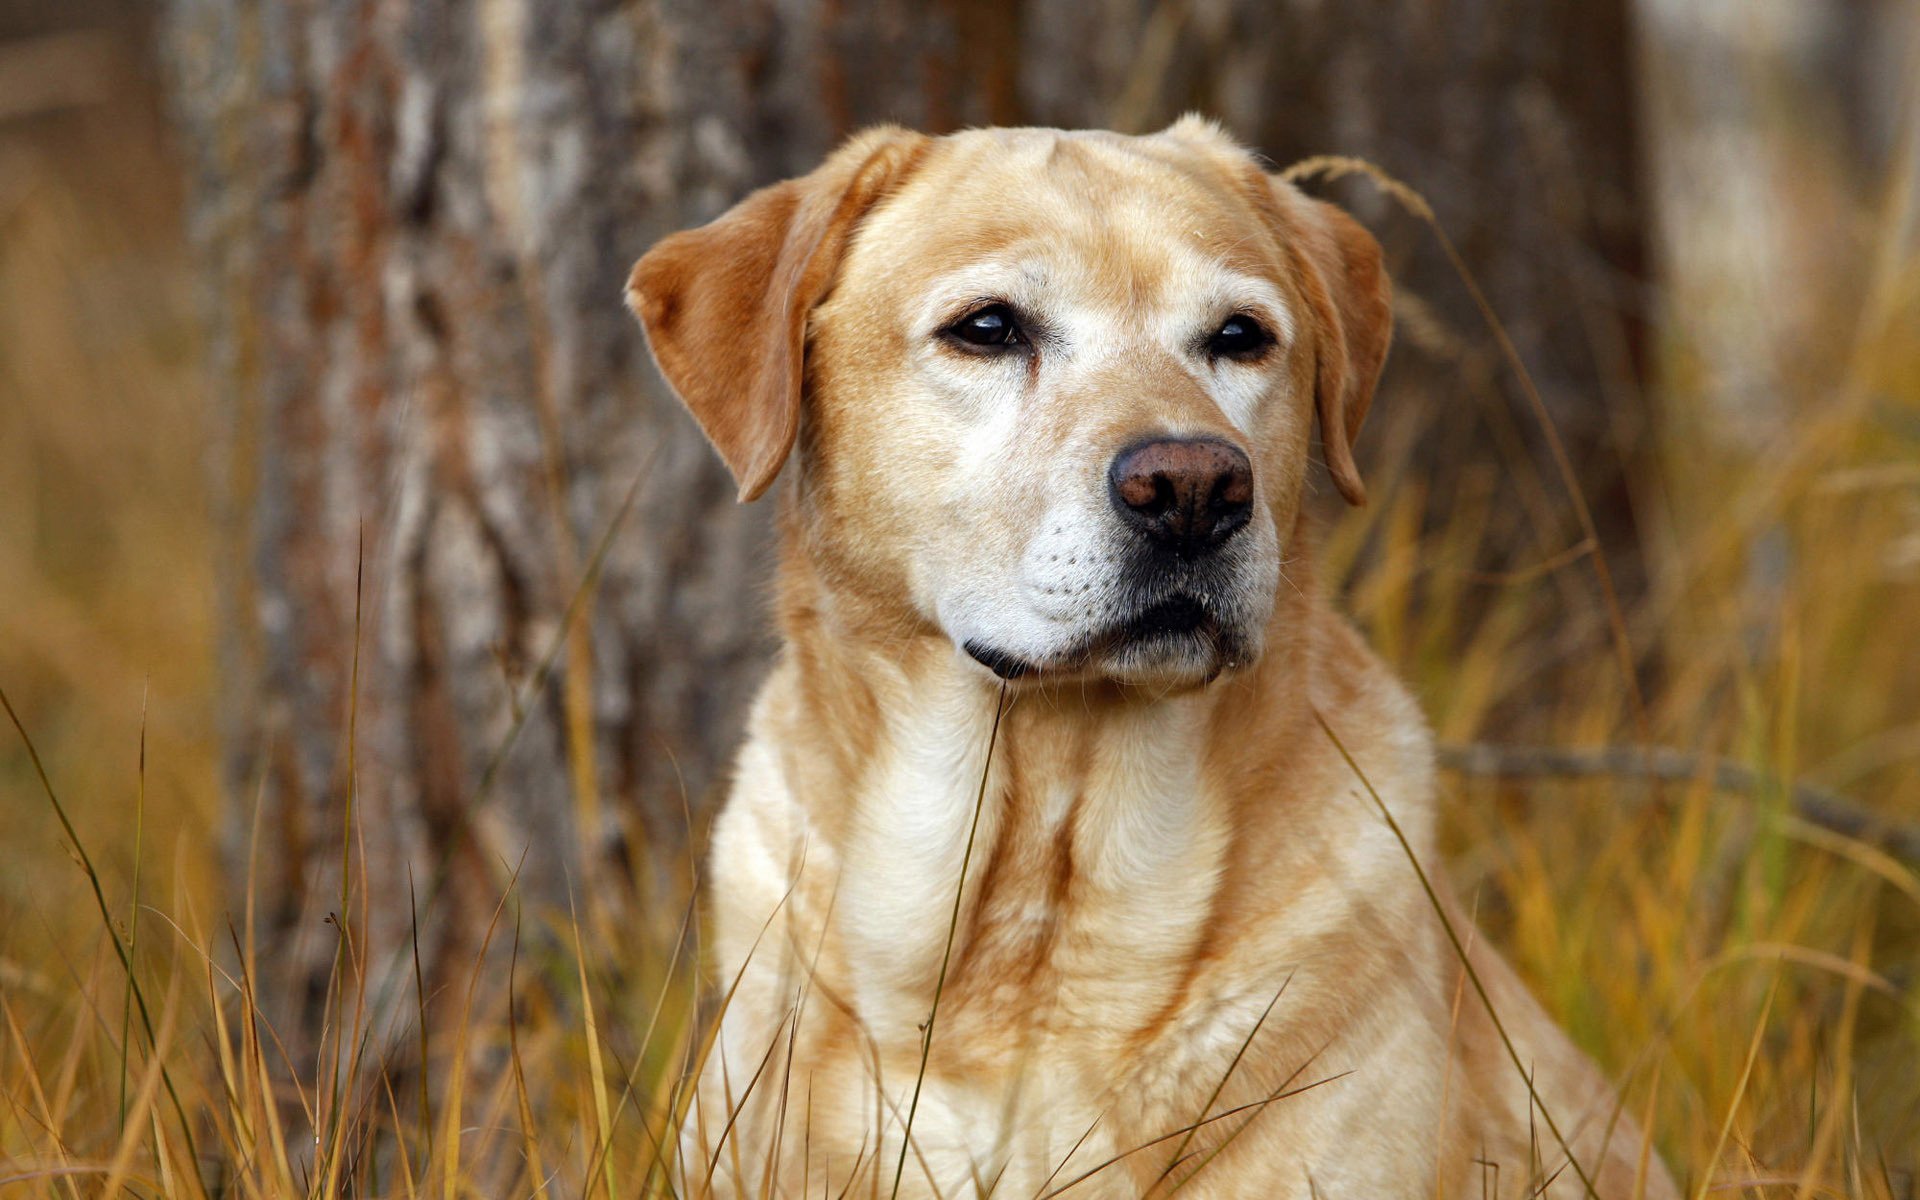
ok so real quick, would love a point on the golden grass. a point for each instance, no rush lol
(1750, 976)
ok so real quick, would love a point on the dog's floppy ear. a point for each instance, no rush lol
(725, 306)
(1352, 302)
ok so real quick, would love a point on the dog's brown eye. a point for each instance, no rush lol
(988, 327)
(1240, 336)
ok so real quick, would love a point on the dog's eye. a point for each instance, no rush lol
(988, 328)
(1239, 337)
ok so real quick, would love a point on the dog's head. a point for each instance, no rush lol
(1054, 392)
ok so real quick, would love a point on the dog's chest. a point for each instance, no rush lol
(1090, 863)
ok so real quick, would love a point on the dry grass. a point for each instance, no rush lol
(1750, 976)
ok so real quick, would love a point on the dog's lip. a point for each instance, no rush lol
(1179, 614)
(1006, 666)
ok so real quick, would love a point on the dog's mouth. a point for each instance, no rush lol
(1177, 616)
(1176, 628)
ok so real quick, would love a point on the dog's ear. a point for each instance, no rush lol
(1352, 301)
(725, 306)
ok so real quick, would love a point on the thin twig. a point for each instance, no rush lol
(1816, 805)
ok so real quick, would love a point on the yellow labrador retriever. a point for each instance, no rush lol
(1041, 872)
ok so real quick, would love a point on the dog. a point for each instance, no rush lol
(1076, 843)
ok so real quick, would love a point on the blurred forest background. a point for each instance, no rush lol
(356, 571)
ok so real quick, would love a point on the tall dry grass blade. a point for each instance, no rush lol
(667, 1106)
(1453, 1033)
(122, 1162)
(489, 1128)
(1213, 1097)
(946, 956)
(67, 1081)
(1739, 1092)
(245, 947)
(529, 1130)
(796, 1016)
(31, 1070)
(1254, 1114)
(698, 1050)
(1827, 1130)
(780, 1106)
(133, 906)
(450, 1143)
(422, 1026)
(241, 1132)
(812, 976)
(1071, 1151)
(399, 1138)
(349, 1114)
(630, 1076)
(1837, 965)
(669, 975)
(806, 1135)
(253, 1056)
(1863, 854)
(106, 917)
(1644, 1165)
(736, 1107)
(1459, 949)
(340, 1067)
(1254, 1107)
(1241, 1128)
(602, 1111)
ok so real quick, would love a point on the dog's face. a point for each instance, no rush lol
(1059, 389)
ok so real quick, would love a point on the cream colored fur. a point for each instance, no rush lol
(1179, 903)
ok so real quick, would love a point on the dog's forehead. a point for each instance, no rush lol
(1102, 199)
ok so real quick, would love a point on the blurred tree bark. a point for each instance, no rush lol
(416, 218)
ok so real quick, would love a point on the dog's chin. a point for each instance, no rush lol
(1167, 662)
(1173, 645)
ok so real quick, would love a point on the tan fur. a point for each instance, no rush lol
(1179, 902)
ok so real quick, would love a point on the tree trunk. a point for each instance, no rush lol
(417, 217)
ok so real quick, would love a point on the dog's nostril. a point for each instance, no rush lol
(1234, 490)
(1163, 497)
(1186, 494)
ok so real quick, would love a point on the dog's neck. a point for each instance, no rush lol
(919, 762)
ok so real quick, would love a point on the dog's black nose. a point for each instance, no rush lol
(1187, 495)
